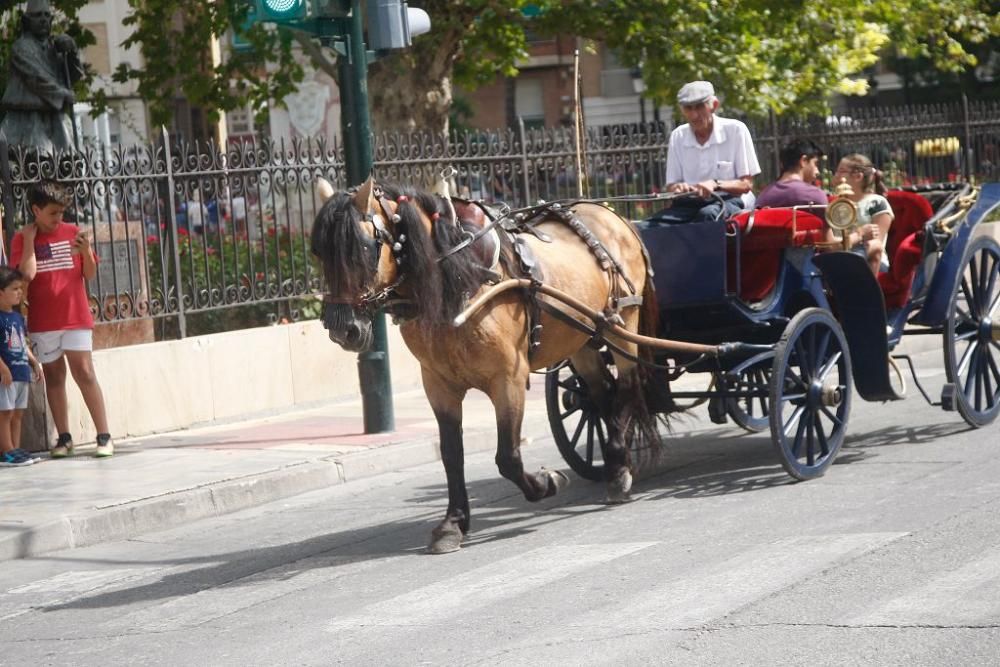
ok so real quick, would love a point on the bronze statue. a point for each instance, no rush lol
(38, 101)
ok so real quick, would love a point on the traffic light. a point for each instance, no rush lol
(282, 11)
(392, 24)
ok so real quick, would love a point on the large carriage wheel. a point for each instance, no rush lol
(575, 418)
(751, 413)
(971, 346)
(810, 393)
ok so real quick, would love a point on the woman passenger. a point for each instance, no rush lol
(871, 229)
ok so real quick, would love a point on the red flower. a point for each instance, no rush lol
(209, 250)
(181, 231)
(152, 240)
(271, 231)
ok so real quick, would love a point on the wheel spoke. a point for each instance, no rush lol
(837, 421)
(979, 380)
(824, 345)
(798, 437)
(804, 362)
(796, 415)
(966, 335)
(790, 374)
(829, 365)
(992, 282)
(602, 437)
(970, 379)
(964, 315)
(824, 446)
(966, 356)
(564, 415)
(969, 300)
(590, 440)
(993, 367)
(810, 457)
(973, 284)
(579, 429)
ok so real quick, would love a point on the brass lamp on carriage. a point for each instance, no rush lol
(842, 214)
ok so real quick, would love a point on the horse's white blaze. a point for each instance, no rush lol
(477, 588)
(324, 188)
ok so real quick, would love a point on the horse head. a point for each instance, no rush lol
(353, 238)
(388, 246)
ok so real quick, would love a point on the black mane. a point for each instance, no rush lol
(439, 288)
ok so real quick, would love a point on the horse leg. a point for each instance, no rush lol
(446, 402)
(508, 401)
(612, 396)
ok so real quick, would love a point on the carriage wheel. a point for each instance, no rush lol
(810, 393)
(972, 335)
(575, 418)
(751, 413)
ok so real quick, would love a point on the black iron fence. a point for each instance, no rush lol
(198, 239)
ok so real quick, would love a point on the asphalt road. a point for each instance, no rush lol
(893, 558)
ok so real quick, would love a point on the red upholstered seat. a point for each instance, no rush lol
(764, 234)
(904, 245)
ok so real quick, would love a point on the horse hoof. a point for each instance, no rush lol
(557, 481)
(445, 543)
(619, 487)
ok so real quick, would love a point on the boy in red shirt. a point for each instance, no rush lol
(55, 259)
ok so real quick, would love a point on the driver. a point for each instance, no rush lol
(708, 155)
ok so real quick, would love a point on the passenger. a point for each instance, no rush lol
(708, 155)
(874, 213)
(796, 185)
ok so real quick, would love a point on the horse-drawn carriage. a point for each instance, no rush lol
(787, 333)
(816, 325)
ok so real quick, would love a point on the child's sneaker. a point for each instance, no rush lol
(15, 459)
(63, 448)
(105, 446)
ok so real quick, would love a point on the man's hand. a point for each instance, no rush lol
(681, 188)
(64, 43)
(28, 232)
(36, 369)
(706, 188)
(6, 379)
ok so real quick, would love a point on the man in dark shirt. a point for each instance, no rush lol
(799, 168)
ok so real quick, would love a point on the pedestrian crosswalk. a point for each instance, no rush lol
(396, 593)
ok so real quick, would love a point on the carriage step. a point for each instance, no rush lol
(948, 397)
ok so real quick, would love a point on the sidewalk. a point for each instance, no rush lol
(165, 480)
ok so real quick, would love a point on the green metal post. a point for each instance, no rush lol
(373, 366)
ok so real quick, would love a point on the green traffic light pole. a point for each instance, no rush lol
(373, 365)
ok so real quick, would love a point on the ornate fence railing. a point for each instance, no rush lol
(199, 239)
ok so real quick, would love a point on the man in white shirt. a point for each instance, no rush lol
(709, 157)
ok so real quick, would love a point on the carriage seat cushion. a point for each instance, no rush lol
(764, 234)
(904, 245)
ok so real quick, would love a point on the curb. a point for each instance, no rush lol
(176, 508)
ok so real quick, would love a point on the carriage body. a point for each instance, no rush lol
(763, 279)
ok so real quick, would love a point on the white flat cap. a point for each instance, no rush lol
(695, 92)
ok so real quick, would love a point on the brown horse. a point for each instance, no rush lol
(384, 246)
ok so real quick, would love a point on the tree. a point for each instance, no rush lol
(764, 54)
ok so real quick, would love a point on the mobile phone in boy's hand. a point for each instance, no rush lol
(81, 242)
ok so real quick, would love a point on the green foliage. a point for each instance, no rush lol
(763, 55)
(215, 262)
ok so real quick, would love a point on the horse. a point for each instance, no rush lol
(406, 250)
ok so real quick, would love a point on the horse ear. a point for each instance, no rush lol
(363, 199)
(324, 188)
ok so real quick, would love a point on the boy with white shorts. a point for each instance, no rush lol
(56, 259)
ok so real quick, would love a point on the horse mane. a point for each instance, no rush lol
(338, 241)
(441, 287)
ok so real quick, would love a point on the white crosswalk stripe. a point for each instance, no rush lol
(480, 587)
(717, 589)
(969, 595)
(61, 589)
(211, 603)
